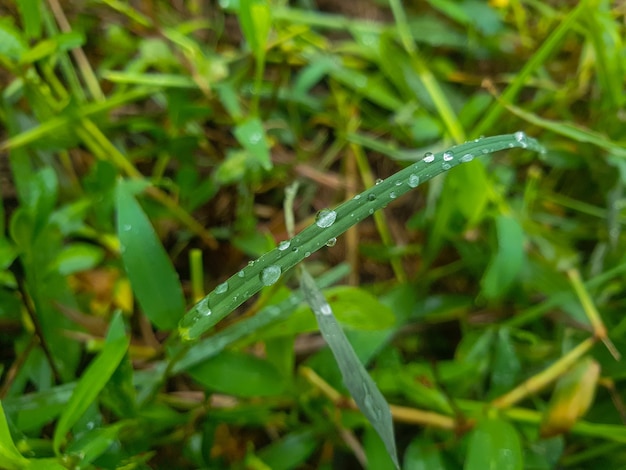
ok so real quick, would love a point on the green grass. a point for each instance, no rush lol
(155, 155)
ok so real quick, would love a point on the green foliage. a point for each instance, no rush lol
(476, 321)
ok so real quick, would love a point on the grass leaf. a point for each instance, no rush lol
(331, 224)
(93, 380)
(147, 264)
(358, 382)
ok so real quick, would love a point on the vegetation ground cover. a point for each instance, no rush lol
(152, 150)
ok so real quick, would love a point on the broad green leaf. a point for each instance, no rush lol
(506, 366)
(12, 45)
(152, 276)
(507, 263)
(93, 380)
(42, 196)
(378, 456)
(423, 454)
(251, 135)
(544, 454)
(289, 452)
(10, 457)
(475, 351)
(255, 20)
(238, 374)
(79, 257)
(45, 464)
(31, 17)
(281, 354)
(494, 445)
(94, 443)
(39, 248)
(354, 308)
(8, 253)
(362, 388)
(33, 410)
(419, 385)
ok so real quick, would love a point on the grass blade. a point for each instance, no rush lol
(358, 382)
(10, 457)
(330, 224)
(215, 344)
(93, 380)
(541, 56)
(149, 268)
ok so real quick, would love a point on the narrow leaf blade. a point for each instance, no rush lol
(361, 386)
(147, 264)
(93, 380)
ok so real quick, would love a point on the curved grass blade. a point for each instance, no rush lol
(358, 382)
(10, 457)
(93, 380)
(331, 224)
(213, 345)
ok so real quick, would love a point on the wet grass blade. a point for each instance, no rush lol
(266, 270)
(358, 382)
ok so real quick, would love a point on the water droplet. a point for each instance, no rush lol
(485, 151)
(522, 138)
(241, 273)
(429, 157)
(224, 3)
(250, 263)
(398, 183)
(126, 227)
(378, 181)
(307, 254)
(270, 275)
(446, 166)
(325, 218)
(203, 307)
(282, 246)
(357, 197)
(255, 138)
(295, 249)
(221, 288)
(468, 157)
(392, 195)
(331, 242)
(414, 180)
(371, 211)
(448, 156)
(325, 309)
(371, 197)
